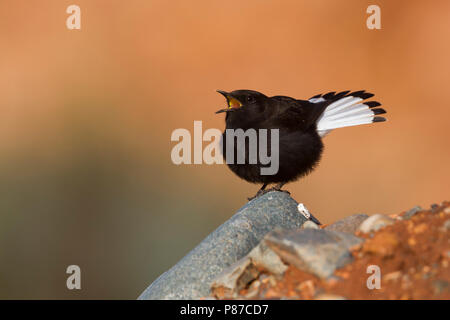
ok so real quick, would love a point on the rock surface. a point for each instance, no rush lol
(272, 249)
(234, 278)
(264, 257)
(310, 225)
(313, 250)
(375, 222)
(192, 276)
(319, 252)
(412, 256)
(349, 224)
(410, 213)
(240, 274)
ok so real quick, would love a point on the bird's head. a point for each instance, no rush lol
(241, 100)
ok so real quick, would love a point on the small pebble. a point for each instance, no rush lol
(392, 276)
(439, 286)
(253, 289)
(333, 280)
(412, 242)
(420, 228)
(410, 213)
(375, 223)
(310, 225)
(329, 296)
(384, 244)
(307, 287)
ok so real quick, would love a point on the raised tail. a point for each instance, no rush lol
(347, 109)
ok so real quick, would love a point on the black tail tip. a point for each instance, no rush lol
(372, 104)
(378, 111)
(379, 119)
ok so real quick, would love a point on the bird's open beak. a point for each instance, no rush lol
(233, 103)
(224, 93)
(225, 110)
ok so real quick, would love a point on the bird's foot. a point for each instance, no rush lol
(278, 188)
(264, 191)
(259, 194)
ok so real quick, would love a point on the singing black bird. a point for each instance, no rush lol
(301, 123)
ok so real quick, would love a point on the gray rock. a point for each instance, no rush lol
(410, 213)
(264, 257)
(349, 224)
(192, 276)
(234, 278)
(310, 225)
(434, 207)
(375, 223)
(319, 252)
(237, 276)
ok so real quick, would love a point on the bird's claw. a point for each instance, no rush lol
(262, 192)
(259, 193)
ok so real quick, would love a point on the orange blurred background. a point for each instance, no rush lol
(87, 115)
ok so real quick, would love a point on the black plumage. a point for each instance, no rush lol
(300, 141)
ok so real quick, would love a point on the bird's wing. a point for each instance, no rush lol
(287, 112)
(297, 114)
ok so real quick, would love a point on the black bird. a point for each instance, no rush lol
(301, 123)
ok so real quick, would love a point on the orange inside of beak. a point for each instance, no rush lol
(233, 103)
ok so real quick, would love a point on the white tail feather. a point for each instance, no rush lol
(339, 102)
(343, 124)
(345, 112)
(341, 106)
(353, 111)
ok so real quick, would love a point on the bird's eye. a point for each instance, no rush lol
(250, 99)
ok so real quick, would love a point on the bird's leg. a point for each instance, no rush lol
(260, 192)
(278, 187)
(263, 190)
